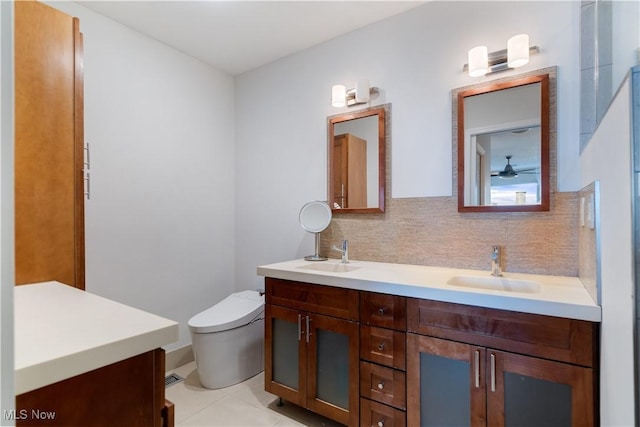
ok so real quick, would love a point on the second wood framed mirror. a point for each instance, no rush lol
(356, 161)
(503, 145)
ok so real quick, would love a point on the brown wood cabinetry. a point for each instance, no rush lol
(495, 367)
(126, 393)
(426, 362)
(49, 148)
(383, 355)
(311, 340)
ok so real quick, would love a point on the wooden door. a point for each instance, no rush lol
(445, 383)
(285, 370)
(349, 171)
(528, 391)
(333, 368)
(49, 155)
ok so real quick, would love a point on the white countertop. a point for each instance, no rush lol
(61, 332)
(559, 296)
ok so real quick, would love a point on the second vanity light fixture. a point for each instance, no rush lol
(360, 94)
(516, 55)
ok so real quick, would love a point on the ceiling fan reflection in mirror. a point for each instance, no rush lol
(509, 172)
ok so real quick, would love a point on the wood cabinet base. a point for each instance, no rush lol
(127, 393)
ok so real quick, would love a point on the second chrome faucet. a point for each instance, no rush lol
(496, 253)
(344, 250)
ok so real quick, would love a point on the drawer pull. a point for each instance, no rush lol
(381, 422)
(381, 346)
(381, 385)
(381, 311)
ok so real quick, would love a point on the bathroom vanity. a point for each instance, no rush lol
(84, 360)
(370, 343)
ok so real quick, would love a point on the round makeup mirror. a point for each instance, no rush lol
(315, 217)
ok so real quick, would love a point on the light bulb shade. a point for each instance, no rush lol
(478, 61)
(362, 90)
(338, 95)
(518, 51)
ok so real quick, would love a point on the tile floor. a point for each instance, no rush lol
(246, 404)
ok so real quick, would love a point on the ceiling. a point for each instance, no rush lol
(238, 35)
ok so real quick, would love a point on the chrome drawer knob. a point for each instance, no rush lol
(381, 346)
(381, 311)
(381, 385)
(381, 423)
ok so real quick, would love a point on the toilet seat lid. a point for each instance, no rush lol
(236, 310)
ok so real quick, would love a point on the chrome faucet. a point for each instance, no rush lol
(495, 261)
(344, 250)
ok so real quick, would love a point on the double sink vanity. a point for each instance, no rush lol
(369, 343)
(380, 344)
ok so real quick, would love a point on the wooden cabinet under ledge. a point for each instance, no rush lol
(130, 392)
(311, 340)
(476, 366)
(349, 171)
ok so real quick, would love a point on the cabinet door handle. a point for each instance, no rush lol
(381, 311)
(381, 422)
(493, 372)
(381, 385)
(381, 346)
(87, 157)
(299, 327)
(87, 180)
(477, 368)
(308, 329)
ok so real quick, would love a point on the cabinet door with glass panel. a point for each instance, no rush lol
(312, 359)
(457, 384)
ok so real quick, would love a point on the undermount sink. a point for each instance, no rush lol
(496, 284)
(330, 268)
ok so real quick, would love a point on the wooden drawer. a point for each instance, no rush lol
(327, 300)
(383, 346)
(386, 311)
(555, 338)
(374, 414)
(384, 385)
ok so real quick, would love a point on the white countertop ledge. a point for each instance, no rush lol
(559, 296)
(61, 332)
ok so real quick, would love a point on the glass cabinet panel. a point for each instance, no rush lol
(450, 381)
(285, 353)
(445, 391)
(333, 368)
(536, 392)
(532, 402)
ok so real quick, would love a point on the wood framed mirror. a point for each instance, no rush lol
(503, 144)
(356, 161)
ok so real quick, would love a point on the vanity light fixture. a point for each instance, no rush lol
(515, 55)
(360, 94)
(478, 61)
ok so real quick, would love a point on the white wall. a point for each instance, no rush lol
(160, 221)
(7, 270)
(415, 59)
(609, 146)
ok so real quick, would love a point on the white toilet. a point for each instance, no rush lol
(228, 340)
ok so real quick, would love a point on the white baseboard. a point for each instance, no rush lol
(178, 357)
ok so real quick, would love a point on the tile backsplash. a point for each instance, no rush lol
(431, 231)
